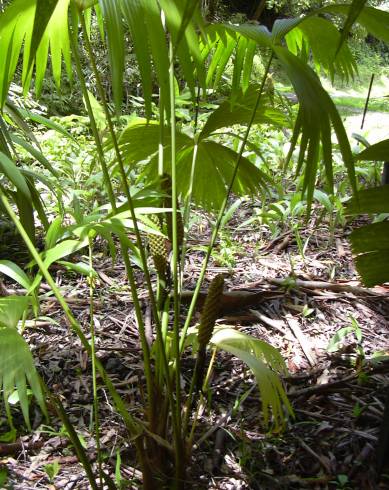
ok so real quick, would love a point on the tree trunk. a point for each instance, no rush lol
(258, 11)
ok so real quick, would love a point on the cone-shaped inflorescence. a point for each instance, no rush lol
(209, 315)
(166, 185)
(211, 310)
(158, 249)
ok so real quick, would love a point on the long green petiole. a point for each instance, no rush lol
(222, 210)
(149, 377)
(179, 457)
(93, 356)
(124, 249)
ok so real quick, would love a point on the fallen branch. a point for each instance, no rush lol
(330, 286)
(11, 448)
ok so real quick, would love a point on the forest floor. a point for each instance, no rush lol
(337, 397)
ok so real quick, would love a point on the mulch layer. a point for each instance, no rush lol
(338, 397)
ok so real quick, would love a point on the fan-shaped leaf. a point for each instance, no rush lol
(263, 360)
(55, 37)
(379, 151)
(44, 10)
(134, 15)
(375, 21)
(370, 238)
(12, 309)
(371, 244)
(16, 369)
(258, 33)
(240, 112)
(215, 163)
(374, 200)
(317, 114)
(181, 26)
(223, 40)
(354, 12)
(281, 28)
(324, 46)
(113, 23)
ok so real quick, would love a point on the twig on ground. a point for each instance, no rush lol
(331, 286)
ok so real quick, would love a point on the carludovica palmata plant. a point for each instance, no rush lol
(164, 33)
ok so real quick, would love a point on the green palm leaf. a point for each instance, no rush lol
(12, 309)
(16, 369)
(181, 22)
(134, 16)
(317, 116)
(19, 30)
(240, 112)
(304, 37)
(370, 244)
(375, 21)
(113, 22)
(265, 362)
(378, 151)
(370, 201)
(43, 13)
(224, 41)
(149, 34)
(215, 163)
(32, 28)
(355, 9)
(16, 362)
(303, 34)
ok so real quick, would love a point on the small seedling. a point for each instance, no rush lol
(341, 482)
(307, 311)
(62, 432)
(52, 470)
(357, 410)
(9, 436)
(337, 340)
(3, 477)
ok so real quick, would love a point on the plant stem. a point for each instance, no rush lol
(161, 135)
(201, 401)
(188, 197)
(222, 209)
(75, 440)
(179, 457)
(124, 248)
(152, 406)
(93, 355)
(150, 385)
(123, 174)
